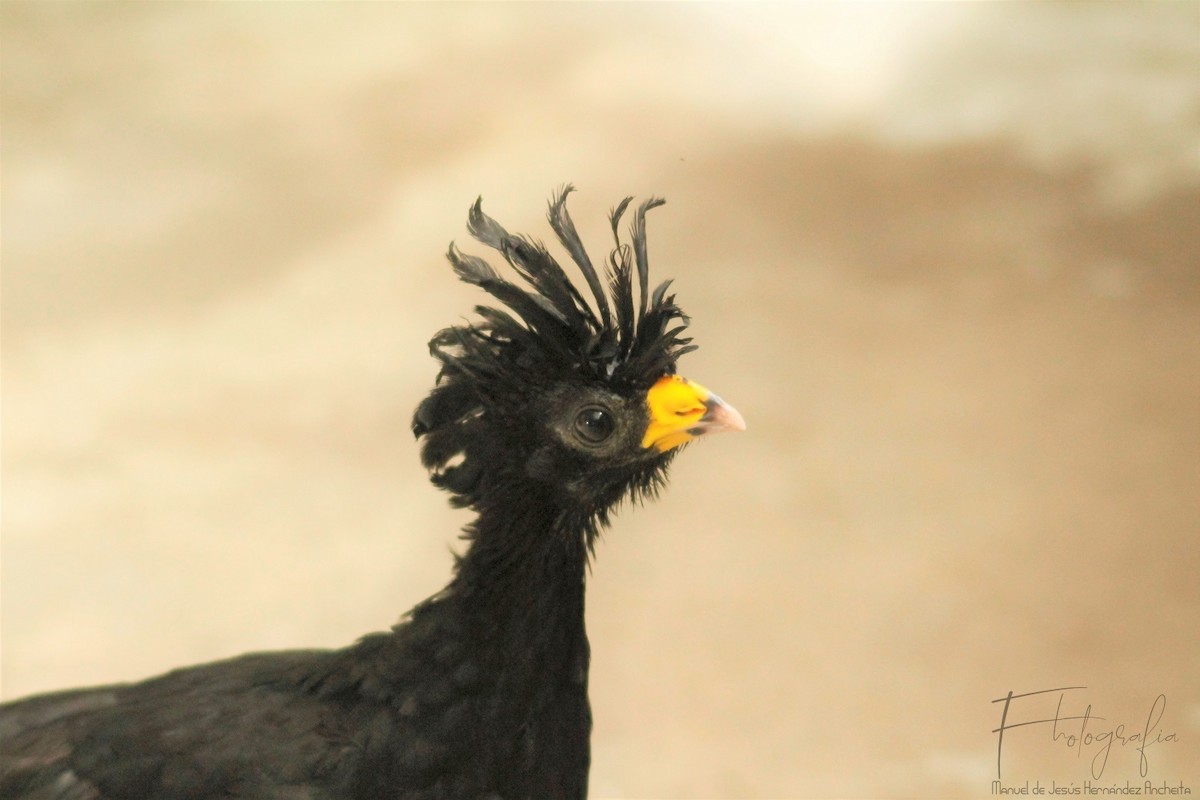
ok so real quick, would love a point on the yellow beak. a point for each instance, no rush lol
(681, 410)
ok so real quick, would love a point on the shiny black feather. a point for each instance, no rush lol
(622, 351)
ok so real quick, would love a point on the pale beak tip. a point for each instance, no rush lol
(720, 416)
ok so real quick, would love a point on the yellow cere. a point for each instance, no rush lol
(676, 405)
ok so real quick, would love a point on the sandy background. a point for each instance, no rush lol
(943, 258)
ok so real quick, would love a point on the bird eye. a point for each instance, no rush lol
(594, 424)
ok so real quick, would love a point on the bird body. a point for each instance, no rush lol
(546, 415)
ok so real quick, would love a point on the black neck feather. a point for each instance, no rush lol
(493, 668)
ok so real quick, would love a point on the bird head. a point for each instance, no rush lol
(550, 397)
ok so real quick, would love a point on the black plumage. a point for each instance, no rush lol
(547, 412)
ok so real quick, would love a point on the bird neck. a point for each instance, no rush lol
(492, 671)
(524, 575)
(510, 626)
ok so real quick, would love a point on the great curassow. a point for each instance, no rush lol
(545, 415)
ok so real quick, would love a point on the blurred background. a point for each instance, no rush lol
(944, 258)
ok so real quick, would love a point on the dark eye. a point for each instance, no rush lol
(594, 424)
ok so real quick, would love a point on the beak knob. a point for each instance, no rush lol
(681, 410)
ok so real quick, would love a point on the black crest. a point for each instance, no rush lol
(622, 341)
(546, 330)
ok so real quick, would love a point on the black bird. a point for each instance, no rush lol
(546, 414)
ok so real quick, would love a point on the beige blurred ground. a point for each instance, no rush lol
(945, 259)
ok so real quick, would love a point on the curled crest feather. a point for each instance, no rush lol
(547, 326)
